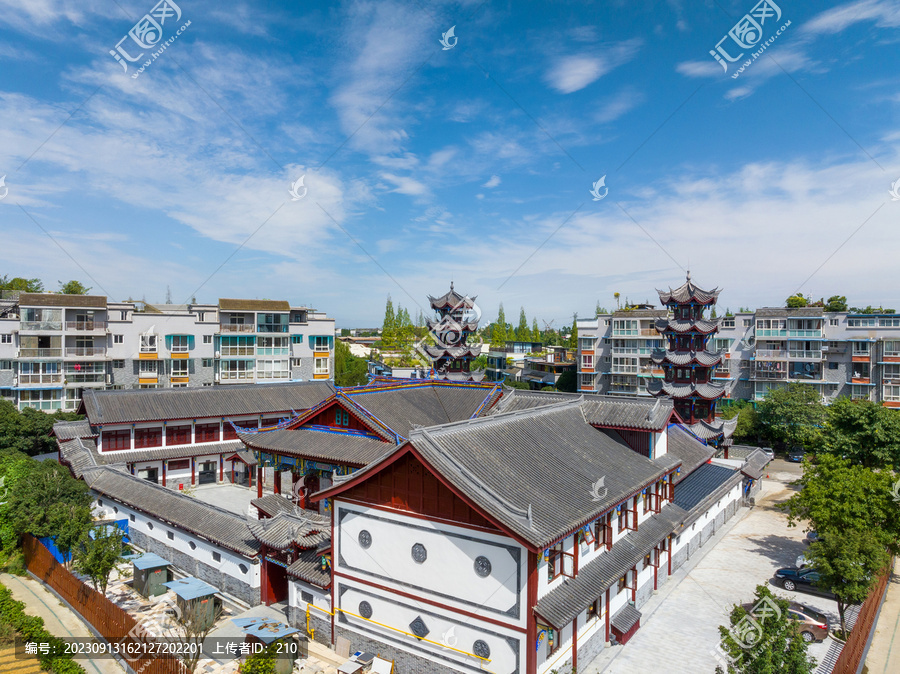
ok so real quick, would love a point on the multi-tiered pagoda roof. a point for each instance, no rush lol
(451, 355)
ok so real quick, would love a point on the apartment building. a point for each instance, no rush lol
(839, 353)
(53, 347)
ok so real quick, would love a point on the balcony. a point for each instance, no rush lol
(85, 351)
(806, 334)
(40, 353)
(649, 332)
(40, 326)
(805, 355)
(235, 375)
(768, 332)
(767, 354)
(770, 374)
(86, 326)
(628, 333)
(624, 369)
(37, 379)
(237, 327)
(631, 351)
(77, 378)
(237, 351)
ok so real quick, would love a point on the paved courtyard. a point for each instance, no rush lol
(680, 625)
(228, 496)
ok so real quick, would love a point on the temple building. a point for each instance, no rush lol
(451, 356)
(688, 364)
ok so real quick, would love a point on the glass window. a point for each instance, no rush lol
(322, 366)
(180, 368)
(148, 343)
(148, 366)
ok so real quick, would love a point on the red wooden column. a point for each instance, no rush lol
(277, 485)
(669, 554)
(259, 480)
(574, 644)
(193, 466)
(221, 467)
(164, 472)
(531, 621)
(607, 615)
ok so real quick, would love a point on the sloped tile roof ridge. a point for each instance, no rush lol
(503, 417)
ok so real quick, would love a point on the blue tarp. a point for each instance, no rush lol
(50, 543)
(191, 588)
(264, 629)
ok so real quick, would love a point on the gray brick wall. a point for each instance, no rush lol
(320, 625)
(404, 662)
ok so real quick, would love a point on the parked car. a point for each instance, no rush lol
(796, 454)
(811, 537)
(801, 562)
(801, 580)
(812, 625)
(769, 452)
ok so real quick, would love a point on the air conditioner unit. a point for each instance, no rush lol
(109, 379)
(216, 378)
(15, 381)
(218, 354)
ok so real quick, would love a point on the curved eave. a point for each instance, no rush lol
(710, 392)
(705, 358)
(702, 327)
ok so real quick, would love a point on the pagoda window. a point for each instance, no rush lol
(702, 375)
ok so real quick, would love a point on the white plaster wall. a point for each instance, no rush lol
(321, 598)
(661, 443)
(230, 561)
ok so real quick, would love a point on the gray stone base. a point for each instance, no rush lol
(404, 662)
(320, 625)
(195, 567)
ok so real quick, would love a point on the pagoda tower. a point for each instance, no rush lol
(688, 363)
(451, 356)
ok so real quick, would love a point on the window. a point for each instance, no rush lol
(892, 349)
(148, 437)
(119, 364)
(892, 393)
(272, 369)
(832, 366)
(113, 440)
(99, 503)
(321, 343)
(554, 562)
(148, 343)
(179, 464)
(193, 545)
(216, 556)
(728, 322)
(889, 322)
(321, 366)
(206, 432)
(271, 322)
(861, 322)
(891, 373)
(150, 525)
(603, 532)
(622, 584)
(243, 568)
(132, 517)
(747, 322)
(586, 343)
(180, 343)
(587, 361)
(148, 367)
(341, 417)
(593, 610)
(207, 362)
(178, 435)
(6, 339)
(833, 321)
(296, 339)
(180, 368)
(5, 365)
(170, 535)
(273, 346)
(861, 348)
(118, 339)
(207, 339)
(296, 362)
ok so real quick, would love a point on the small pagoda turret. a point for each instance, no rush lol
(456, 319)
(688, 363)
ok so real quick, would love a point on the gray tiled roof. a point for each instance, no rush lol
(687, 292)
(339, 448)
(76, 455)
(58, 300)
(153, 454)
(755, 465)
(628, 412)
(702, 482)
(566, 601)
(308, 567)
(514, 400)
(625, 618)
(709, 391)
(272, 504)
(689, 449)
(253, 305)
(68, 430)
(681, 326)
(706, 430)
(190, 514)
(308, 529)
(126, 406)
(535, 471)
(799, 312)
(707, 358)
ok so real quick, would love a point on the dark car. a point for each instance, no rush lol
(813, 626)
(796, 454)
(801, 580)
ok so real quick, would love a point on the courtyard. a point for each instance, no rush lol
(680, 624)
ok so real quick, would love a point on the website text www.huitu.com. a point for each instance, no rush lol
(758, 52)
(162, 48)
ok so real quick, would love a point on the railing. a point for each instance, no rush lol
(25, 379)
(84, 351)
(631, 351)
(40, 325)
(771, 353)
(807, 355)
(237, 327)
(768, 332)
(113, 624)
(625, 333)
(149, 349)
(148, 375)
(86, 378)
(649, 332)
(851, 656)
(284, 374)
(40, 353)
(272, 351)
(762, 374)
(42, 405)
(805, 333)
(238, 374)
(85, 326)
(624, 369)
(238, 351)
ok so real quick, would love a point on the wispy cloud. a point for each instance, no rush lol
(574, 72)
(493, 182)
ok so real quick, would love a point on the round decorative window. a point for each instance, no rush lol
(481, 649)
(419, 553)
(149, 525)
(243, 568)
(365, 609)
(365, 539)
(483, 566)
(193, 545)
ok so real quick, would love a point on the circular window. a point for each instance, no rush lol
(243, 568)
(483, 566)
(365, 609)
(193, 545)
(115, 509)
(149, 525)
(481, 649)
(419, 553)
(365, 539)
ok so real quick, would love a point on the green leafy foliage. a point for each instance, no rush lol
(28, 431)
(349, 370)
(766, 642)
(389, 326)
(836, 303)
(262, 662)
(97, 557)
(498, 330)
(73, 288)
(863, 431)
(796, 301)
(28, 285)
(567, 382)
(748, 427)
(848, 563)
(794, 415)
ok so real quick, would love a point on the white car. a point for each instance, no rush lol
(769, 452)
(801, 562)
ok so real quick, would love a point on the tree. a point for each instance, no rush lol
(498, 334)
(793, 414)
(573, 336)
(796, 301)
(349, 370)
(764, 640)
(99, 553)
(193, 624)
(836, 303)
(73, 288)
(598, 310)
(848, 563)
(567, 382)
(618, 304)
(405, 330)
(479, 363)
(862, 431)
(535, 331)
(837, 496)
(523, 334)
(389, 327)
(28, 431)
(748, 428)
(26, 285)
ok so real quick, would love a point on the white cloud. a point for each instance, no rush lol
(700, 68)
(575, 72)
(405, 184)
(885, 13)
(613, 108)
(493, 182)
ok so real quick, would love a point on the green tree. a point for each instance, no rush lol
(748, 428)
(498, 333)
(28, 431)
(27, 285)
(479, 363)
(349, 370)
(535, 331)
(389, 327)
(848, 563)
(764, 640)
(523, 334)
(405, 330)
(836, 303)
(573, 336)
(794, 415)
(796, 301)
(862, 431)
(73, 288)
(838, 496)
(98, 553)
(567, 382)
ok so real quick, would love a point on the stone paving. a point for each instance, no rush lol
(680, 625)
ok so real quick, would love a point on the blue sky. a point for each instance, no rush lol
(473, 163)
